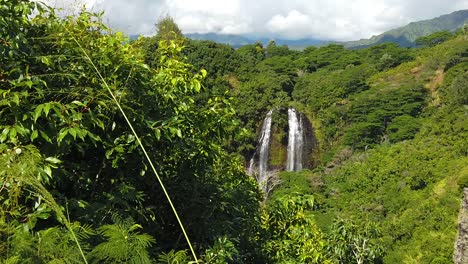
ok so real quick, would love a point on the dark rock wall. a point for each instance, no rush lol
(310, 144)
(461, 243)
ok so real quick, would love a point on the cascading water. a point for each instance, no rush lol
(251, 166)
(263, 151)
(295, 141)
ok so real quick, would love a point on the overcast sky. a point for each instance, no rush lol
(289, 19)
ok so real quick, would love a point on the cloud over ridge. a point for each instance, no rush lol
(289, 19)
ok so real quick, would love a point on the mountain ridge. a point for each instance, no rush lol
(404, 36)
(241, 40)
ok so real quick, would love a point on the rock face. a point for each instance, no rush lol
(310, 143)
(461, 243)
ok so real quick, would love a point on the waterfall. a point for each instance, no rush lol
(259, 162)
(251, 166)
(263, 151)
(295, 141)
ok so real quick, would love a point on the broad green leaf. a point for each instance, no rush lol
(53, 160)
(62, 134)
(48, 171)
(157, 133)
(72, 132)
(13, 133)
(37, 112)
(4, 134)
(34, 135)
(47, 108)
(45, 136)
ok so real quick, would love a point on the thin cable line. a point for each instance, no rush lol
(141, 146)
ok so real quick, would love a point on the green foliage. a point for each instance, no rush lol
(410, 183)
(252, 53)
(51, 245)
(403, 127)
(434, 38)
(410, 188)
(456, 92)
(373, 114)
(70, 164)
(273, 50)
(352, 243)
(220, 62)
(257, 96)
(331, 57)
(323, 89)
(167, 29)
(174, 257)
(51, 98)
(387, 55)
(123, 243)
(223, 251)
(292, 183)
(291, 233)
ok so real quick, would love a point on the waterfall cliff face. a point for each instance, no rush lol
(273, 154)
(263, 153)
(295, 141)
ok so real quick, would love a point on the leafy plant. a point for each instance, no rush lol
(290, 231)
(352, 243)
(123, 243)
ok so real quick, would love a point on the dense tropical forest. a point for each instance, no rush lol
(119, 151)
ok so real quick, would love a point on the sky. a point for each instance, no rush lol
(287, 19)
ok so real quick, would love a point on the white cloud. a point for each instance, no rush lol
(204, 16)
(292, 25)
(324, 19)
(208, 7)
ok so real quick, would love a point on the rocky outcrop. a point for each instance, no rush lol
(461, 243)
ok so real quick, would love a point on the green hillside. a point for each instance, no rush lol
(406, 36)
(411, 188)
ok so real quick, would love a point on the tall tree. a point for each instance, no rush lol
(167, 29)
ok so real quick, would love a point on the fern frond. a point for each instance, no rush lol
(124, 244)
(56, 244)
(13, 260)
(23, 170)
(82, 231)
(174, 257)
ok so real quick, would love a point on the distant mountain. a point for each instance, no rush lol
(134, 37)
(233, 40)
(405, 36)
(241, 40)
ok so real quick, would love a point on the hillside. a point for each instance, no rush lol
(412, 188)
(390, 125)
(405, 36)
